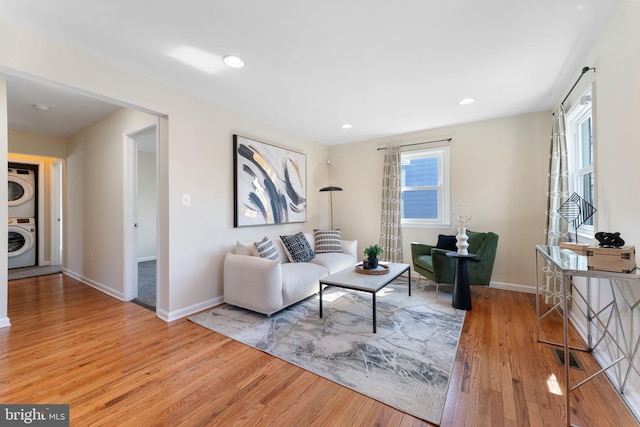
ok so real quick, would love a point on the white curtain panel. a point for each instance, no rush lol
(390, 228)
(558, 192)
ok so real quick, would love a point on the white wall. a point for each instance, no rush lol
(616, 57)
(94, 201)
(498, 171)
(195, 158)
(33, 144)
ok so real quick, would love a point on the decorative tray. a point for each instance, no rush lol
(381, 269)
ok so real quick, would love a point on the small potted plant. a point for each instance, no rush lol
(372, 253)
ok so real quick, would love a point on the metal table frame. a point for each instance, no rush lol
(340, 279)
(573, 265)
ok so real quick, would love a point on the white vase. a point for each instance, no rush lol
(462, 241)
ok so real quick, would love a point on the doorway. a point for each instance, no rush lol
(46, 211)
(141, 216)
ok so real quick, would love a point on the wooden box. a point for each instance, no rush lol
(619, 260)
(578, 248)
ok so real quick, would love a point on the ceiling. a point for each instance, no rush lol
(386, 67)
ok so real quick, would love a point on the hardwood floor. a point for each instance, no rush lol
(115, 363)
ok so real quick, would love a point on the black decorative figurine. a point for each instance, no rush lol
(576, 211)
(609, 240)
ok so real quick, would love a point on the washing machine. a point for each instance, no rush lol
(22, 242)
(21, 193)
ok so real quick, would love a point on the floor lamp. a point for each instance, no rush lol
(331, 189)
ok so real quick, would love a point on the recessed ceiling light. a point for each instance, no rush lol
(347, 126)
(233, 61)
(41, 107)
(467, 101)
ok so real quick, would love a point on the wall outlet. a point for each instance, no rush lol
(186, 199)
(90, 256)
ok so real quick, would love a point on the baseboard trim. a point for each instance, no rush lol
(494, 285)
(99, 286)
(167, 316)
(188, 311)
(513, 287)
(4, 322)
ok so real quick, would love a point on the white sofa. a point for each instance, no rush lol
(266, 286)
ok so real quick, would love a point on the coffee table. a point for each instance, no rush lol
(349, 279)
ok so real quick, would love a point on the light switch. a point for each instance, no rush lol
(186, 199)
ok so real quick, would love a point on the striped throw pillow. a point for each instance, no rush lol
(266, 249)
(327, 241)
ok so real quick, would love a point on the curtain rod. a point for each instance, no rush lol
(419, 143)
(584, 71)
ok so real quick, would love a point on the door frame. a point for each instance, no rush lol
(130, 211)
(56, 179)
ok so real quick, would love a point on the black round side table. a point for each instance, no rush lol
(461, 290)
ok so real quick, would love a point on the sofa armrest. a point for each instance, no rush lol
(350, 247)
(443, 266)
(253, 282)
(418, 249)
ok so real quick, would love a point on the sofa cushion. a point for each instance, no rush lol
(327, 241)
(266, 249)
(300, 280)
(475, 240)
(297, 248)
(334, 261)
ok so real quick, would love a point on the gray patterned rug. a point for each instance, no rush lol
(146, 285)
(25, 272)
(406, 364)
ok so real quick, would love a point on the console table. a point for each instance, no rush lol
(569, 265)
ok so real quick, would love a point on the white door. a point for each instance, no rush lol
(132, 146)
(56, 212)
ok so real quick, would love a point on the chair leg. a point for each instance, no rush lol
(418, 284)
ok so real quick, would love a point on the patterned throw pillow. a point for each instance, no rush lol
(327, 241)
(266, 249)
(297, 248)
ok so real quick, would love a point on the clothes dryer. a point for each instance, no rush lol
(22, 242)
(21, 193)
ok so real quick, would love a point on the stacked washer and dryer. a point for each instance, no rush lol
(22, 221)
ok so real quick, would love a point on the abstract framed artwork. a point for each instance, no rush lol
(269, 184)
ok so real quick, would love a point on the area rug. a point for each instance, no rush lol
(406, 364)
(26, 272)
(146, 285)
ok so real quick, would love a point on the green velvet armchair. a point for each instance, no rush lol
(431, 262)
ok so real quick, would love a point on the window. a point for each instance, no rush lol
(425, 187)
(580, 154)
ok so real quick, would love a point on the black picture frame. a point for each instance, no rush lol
(269, 184)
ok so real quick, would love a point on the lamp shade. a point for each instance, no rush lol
(331, 188)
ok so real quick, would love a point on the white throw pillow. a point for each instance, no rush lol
(245, 248)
